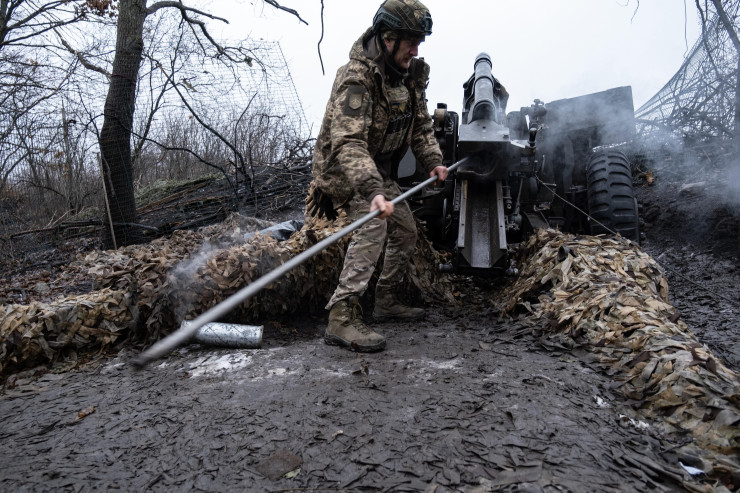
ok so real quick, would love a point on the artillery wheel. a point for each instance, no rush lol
(611, 198)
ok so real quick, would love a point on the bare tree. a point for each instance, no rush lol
(727, 17)
(31, 76)
(23, 22)
(115, 136)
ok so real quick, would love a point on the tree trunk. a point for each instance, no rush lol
(730, 28)
(736, 135)
(115, 136)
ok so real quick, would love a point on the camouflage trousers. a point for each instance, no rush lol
(367, 243)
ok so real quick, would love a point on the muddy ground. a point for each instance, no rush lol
(462, 401)
(694, 233)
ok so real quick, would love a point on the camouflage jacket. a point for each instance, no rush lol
(356, 122)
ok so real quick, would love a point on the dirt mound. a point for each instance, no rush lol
(692, 228)
(694, 214)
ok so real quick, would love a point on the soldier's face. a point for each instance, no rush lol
(408, 49)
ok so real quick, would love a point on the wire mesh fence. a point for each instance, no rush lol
(687, 130)
(699, 100)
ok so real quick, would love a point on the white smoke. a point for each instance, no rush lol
(730, 191)
(184, 271)
(182, 276)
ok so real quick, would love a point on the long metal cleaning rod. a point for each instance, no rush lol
(184, 333)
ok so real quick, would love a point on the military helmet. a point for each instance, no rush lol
(405, 16)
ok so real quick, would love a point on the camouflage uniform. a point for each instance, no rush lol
(369, 124)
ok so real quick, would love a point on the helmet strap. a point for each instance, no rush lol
(395, 74)
(396, 46)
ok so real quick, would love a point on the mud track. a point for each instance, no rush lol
(457, 403)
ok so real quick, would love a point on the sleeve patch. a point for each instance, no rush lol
(355, 95)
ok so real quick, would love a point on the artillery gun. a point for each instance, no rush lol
(554, 165)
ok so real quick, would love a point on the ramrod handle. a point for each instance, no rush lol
(186, 332)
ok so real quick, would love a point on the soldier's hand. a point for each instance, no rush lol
(384, 206)
(319, 204)
(440, 172)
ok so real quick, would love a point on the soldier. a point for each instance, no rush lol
(377, 109)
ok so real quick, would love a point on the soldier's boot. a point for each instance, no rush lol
(347, 329)
(388, 306)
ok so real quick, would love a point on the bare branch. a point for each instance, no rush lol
(155, 106)
(705, 39)
(727, 23)
(183, 8)
(290, 11)
(85, 63)
(686, 25)
(40, 20)
(221, 50)
(185, 11)
(637, 7)
(701, 14)
(40, 10)
(322, 38)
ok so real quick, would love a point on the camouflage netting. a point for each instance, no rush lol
(613, 297)
(306, 288)
(170, 289)
(177, 278)
(47, 332)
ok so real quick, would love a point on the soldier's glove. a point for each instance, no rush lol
(319, 204)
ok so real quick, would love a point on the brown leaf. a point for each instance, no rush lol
(84, 413)
(711, 365)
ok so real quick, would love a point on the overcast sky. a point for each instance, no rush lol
(546, 49)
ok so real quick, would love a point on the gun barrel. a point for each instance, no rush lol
(483, 105)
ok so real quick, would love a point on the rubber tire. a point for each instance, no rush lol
(611, 198)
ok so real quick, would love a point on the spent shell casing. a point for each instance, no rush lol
(229, 335)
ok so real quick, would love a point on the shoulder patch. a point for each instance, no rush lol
(353, 104)
(355, 101)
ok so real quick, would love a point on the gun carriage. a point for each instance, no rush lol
(554, 165)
